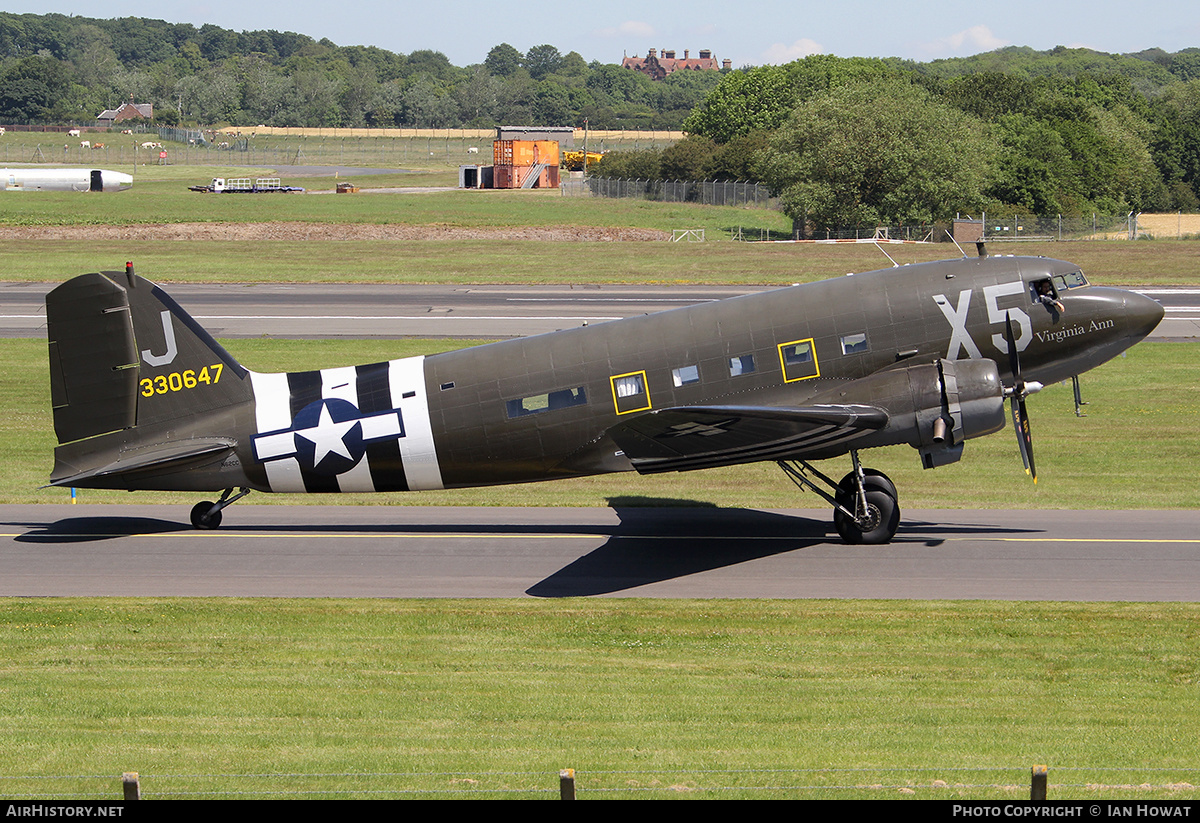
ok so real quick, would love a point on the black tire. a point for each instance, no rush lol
(872, 479)
(201, 518)
(882, 524)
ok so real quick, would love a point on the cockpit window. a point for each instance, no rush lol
(1042, 288)
(1069, 281)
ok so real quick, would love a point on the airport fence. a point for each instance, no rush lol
(1015, 228)
(706, 192)
(979, 784)
(250, 146)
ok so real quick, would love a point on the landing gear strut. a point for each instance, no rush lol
(865, 507)
(207, 515)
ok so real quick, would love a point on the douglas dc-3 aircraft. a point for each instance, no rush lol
(42, 179)
(922, 354)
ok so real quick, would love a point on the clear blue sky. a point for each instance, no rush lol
(751, 32)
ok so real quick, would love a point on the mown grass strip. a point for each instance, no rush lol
(501, 260)
(671, 698)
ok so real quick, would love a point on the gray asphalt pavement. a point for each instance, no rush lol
(401, 551)
(319, 311)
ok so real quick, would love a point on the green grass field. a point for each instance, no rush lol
(645, 699)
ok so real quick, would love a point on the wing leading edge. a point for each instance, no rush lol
(701, 437)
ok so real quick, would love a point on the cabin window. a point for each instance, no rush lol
(685, 375)
(549, 401)
(629, 392)
(741, 365)
(854, 343)
(799, 360)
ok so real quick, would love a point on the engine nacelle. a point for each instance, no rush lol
(967, 402)
(934, 407)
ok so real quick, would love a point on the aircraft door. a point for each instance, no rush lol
(97, 180)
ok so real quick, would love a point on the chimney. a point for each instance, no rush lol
(726, 63)
(685, 54)
(705, 54)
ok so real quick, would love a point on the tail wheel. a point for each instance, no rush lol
(883, 511)
(203, 516)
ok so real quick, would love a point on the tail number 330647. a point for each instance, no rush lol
(181, 380)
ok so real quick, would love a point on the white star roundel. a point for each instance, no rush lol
(328, 437)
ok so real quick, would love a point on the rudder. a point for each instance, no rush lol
(124, 354)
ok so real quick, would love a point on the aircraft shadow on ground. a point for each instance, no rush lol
(87, 529)
(654, 543)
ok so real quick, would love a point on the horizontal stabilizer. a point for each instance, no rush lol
(162, 457)
(701, 437)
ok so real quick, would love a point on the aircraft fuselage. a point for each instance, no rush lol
(36, 178)
(887, 352)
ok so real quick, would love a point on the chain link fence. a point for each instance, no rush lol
(706, 192)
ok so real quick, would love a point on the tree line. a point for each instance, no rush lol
(59, 69)
(843, 141)
(856, 141)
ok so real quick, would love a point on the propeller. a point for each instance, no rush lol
(1019, 391)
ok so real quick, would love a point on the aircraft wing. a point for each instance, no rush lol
(701, 437)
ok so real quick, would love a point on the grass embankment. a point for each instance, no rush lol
(1133, 450)
(729, 699)
(530, 262)
(474, 253)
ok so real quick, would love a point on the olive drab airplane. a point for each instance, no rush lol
(923, 354)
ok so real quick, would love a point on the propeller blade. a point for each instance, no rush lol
(1019, 392)
(1024, 436)
(1014, 363)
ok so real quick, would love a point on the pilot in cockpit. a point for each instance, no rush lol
(1045, 296)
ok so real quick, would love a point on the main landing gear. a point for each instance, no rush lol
(865, 507)
(207, 515)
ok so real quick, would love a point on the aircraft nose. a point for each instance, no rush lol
(1142, 315)
(116, 180)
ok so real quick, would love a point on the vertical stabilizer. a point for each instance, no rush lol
(123, 354)
(143, 397)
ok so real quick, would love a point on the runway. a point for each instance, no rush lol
(374, 311)
(400, 551)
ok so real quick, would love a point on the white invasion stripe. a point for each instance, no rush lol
(358, 479)
(340, 383)
(272, 412)
(417, 450)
